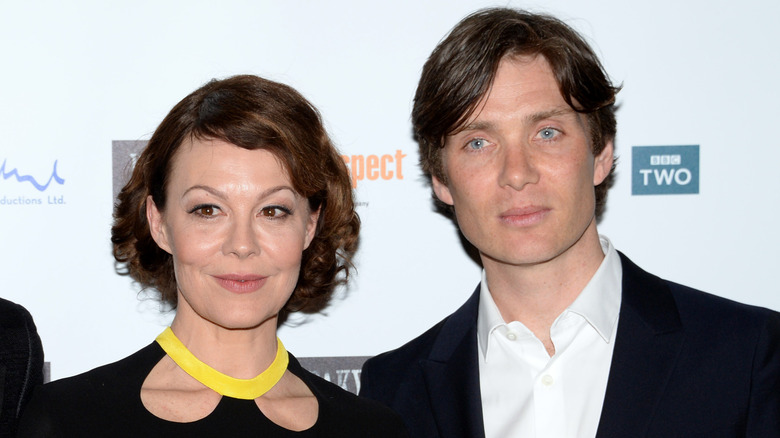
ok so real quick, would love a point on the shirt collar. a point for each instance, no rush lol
(598, 303)
(488, 316)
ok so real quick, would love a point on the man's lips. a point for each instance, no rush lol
(240, 284)
(524, 216)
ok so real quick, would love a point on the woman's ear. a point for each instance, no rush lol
(157, 225)
(311, 227)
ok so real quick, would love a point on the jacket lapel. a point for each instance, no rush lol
(451, 375)
(648, 342)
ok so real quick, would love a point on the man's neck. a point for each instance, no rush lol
(536, 294)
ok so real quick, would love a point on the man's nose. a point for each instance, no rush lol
(518, 167)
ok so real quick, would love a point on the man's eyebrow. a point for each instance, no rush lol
(555, 112)
(477, 126)
(484, 125)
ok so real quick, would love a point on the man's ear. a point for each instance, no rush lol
(441, 190)
(311, 227)
(603, 163)
(156, 225)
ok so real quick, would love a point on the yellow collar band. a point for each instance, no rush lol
(245, 389)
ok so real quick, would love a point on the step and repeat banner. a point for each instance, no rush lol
(85, 83)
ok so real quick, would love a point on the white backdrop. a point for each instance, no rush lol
(78, 75)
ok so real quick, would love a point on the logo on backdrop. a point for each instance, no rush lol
(124, 153)
(342, 371)
(24, 187)
(374, 167)
(664, 170)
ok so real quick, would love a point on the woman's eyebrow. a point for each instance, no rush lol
(222, 195)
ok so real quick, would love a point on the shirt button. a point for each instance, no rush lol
(547, 380)
(511, 336)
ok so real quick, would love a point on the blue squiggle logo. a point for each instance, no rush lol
(30, 179)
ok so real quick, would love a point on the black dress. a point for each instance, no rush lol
(107, 402)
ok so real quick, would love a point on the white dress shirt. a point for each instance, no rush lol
(527, 393)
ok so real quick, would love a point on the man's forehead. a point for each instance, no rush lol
(517, 77)
(472, 118)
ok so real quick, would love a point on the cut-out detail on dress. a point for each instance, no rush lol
(106, 401)
(177, 397)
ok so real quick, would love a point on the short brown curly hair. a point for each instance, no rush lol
(252, 113)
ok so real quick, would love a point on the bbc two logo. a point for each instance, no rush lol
(664, 170)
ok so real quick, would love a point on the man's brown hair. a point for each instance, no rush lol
(461, 70)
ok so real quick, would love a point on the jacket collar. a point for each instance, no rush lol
(648, 343)
(451, 375)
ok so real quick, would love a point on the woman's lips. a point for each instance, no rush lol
(525, 216)
(241, 284)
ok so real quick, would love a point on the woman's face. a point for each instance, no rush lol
(236, 229)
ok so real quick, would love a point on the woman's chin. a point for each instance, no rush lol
(243, 321)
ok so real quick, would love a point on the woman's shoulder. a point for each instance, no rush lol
(107, 378)
(347, 414)
(98, 393)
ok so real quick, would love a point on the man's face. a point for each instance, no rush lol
(521, 175)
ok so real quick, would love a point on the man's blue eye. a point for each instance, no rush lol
(547, 133)
(477, 143)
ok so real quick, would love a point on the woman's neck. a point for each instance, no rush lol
(238, 353)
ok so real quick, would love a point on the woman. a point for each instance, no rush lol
(238, 212)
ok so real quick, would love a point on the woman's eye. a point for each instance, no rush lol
(477, 143)
(548, 133)
(205, 210)
(274, 212)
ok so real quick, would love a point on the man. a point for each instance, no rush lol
(21, 363)
(564, 336)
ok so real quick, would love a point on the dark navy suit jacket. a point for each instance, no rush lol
(21, 363)
(685, 364)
